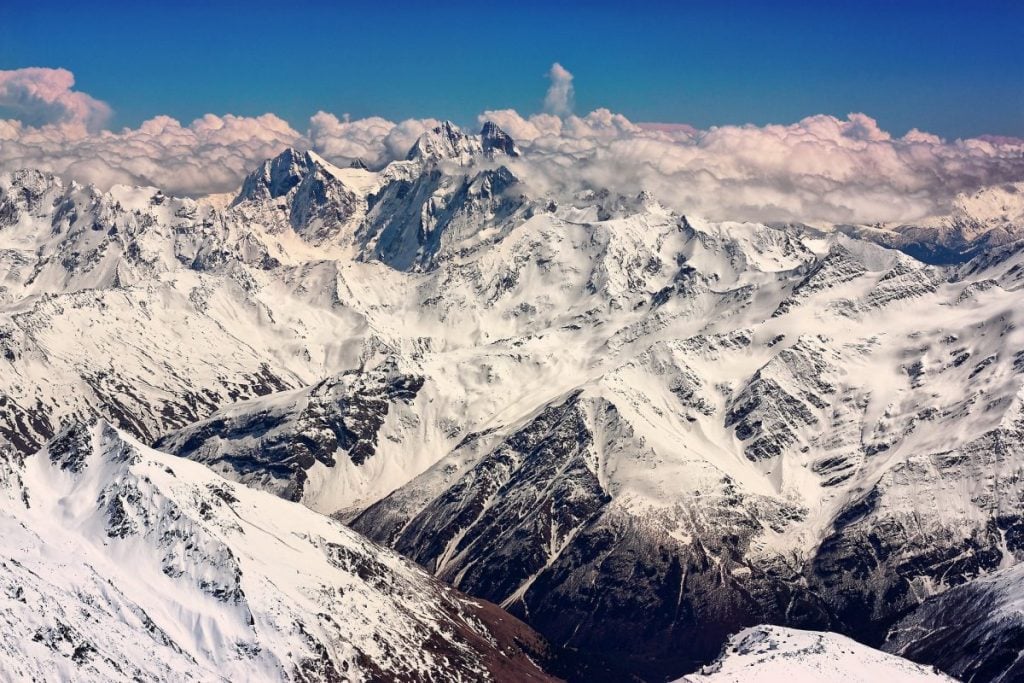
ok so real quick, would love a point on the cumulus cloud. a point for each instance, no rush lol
(671, 128)
(374, 141)
(56, 129)
(38, 96)
(343, 139)
(558, 101)
(819, 169)
(45, 124)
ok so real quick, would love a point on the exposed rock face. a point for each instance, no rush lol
(272, 444)
(497, 543)
(304, 186)
(974, 631)
(414, 223)
(495, 141)
(765, 415)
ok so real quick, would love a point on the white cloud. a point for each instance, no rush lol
(819, 169)
(211, 154)
(38, 96)
(343, 139)
(374, 140)
(560, 93)
(57, 129)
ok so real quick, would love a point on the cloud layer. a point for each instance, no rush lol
(820, 169)
(209, 155)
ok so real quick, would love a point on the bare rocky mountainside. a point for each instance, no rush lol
(638, 432)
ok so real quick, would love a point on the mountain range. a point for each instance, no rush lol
(606, 437)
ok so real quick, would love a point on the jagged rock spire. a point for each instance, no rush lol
(496, 141)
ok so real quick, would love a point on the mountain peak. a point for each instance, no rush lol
(494, 141)
(276, 177)
(445, 142)
(778, 653)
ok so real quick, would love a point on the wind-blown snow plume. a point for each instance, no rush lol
(559, 98)
(818, 170)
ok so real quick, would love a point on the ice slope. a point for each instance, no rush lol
(123, 563)
(773, 654)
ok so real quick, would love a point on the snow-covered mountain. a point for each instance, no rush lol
(640, 432)
(991, 217)
(122, 563)
(773, 653)
(297, 444)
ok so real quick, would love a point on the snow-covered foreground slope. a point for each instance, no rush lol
(122, 563)
(638, 431)
(773, 654)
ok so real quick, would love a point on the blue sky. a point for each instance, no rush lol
(953, 68)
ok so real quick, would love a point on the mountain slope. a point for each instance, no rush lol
(329, 432)
(974, 631)
(122, 563)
